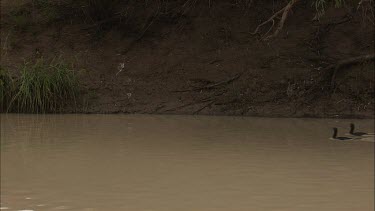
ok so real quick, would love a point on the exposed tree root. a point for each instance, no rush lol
(283, 13)
(327, 81)
(316, 44)
(333, 69)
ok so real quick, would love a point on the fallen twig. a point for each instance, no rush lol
(190, 104)
(205, 106)
(212, 85)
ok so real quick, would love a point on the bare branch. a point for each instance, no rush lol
(284, 14)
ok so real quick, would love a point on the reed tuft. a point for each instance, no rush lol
(44, 87)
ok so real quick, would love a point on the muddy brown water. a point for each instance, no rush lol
(195, 163)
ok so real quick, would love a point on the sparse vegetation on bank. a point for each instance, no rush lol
(292, 58)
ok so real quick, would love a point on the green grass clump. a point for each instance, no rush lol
(45, 87)
(6, 89)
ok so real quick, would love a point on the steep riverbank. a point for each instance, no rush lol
(205, 61)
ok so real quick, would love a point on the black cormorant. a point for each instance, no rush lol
(334, 136)
(351, 132)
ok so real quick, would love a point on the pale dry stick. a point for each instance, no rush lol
(267, 21)
(284, 14)
(283, 18)
(270, 29)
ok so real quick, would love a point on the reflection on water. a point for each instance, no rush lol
(162, 163)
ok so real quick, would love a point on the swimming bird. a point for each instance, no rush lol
(334, 136)
(351, 132)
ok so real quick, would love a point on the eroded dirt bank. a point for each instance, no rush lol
(206, 61)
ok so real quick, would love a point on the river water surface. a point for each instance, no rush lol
(178, 163)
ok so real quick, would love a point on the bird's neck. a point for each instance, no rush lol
(334, 134)
(351, 130)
